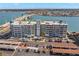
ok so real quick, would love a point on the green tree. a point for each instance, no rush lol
(42, 34)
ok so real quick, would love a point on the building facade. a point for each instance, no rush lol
(39, 28)
(53, 29)
(21, 30)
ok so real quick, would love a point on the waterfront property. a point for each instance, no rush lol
(24, 28)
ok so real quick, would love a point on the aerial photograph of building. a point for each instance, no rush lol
(39, 29)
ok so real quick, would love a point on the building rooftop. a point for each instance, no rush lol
(34, 22)
(25, 21)
(53, 23)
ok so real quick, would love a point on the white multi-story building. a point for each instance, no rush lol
(54, 29)
(39, 28)
(22, 29)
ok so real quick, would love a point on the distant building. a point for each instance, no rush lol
(38, 28)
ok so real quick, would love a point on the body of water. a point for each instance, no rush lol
(8, 16)
(73, 22)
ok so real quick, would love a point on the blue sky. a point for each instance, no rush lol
(37, 5)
